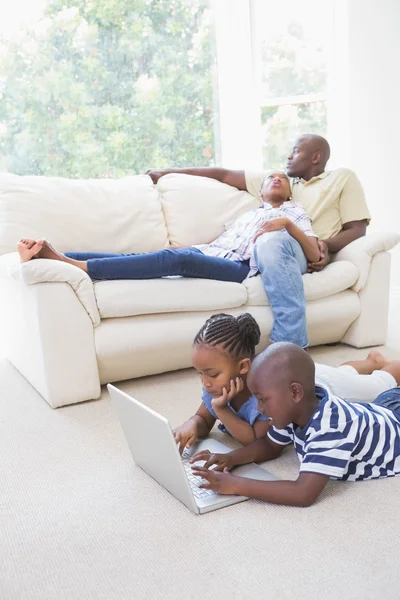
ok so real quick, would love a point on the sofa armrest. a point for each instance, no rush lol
(48, 335)
(361, 252)
(46, 271)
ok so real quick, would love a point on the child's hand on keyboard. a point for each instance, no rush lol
(222, 483)
(221, 461)
(185, 435)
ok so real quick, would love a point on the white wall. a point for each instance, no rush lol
(365, 104)
(365, 107)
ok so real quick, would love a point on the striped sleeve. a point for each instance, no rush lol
(283, 437)
(328, 448)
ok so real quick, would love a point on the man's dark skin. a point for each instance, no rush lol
(307, 159)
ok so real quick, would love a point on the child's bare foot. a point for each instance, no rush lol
(28, 249)
(378, 359)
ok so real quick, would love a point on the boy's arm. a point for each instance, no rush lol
(302, 492)
(230, 177)
(259, 451)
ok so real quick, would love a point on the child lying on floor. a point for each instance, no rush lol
(222, 353)
(333, 438)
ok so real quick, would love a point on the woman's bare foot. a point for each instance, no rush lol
(378, 359)
(48, 251)
(28, 249)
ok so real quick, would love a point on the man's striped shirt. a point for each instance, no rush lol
(347, 441)
(237, 242)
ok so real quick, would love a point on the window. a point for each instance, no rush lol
(106, 89)
(292, 43)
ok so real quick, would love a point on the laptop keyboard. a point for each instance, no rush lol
(194, 481)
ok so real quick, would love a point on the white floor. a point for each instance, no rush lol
(79, 520)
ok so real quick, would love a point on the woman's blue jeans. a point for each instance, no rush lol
(281, 262)
(187, 262)
(279, 258)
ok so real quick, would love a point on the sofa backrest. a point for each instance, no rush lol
(92, 215)
(117, 215)
(196, 209)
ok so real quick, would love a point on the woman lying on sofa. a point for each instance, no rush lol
(231, 257)
(222, 354)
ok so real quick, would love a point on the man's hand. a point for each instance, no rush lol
(223, 461)
(222, 483)
(323, 261)
(155, 174)
(185, 435)
(223, 400)
(275, 225)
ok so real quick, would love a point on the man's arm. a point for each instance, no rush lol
(350, 231)
(234, 178)
(354, 215)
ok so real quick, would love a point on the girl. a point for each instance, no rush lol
(222, 354)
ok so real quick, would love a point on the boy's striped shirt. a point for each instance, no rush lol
(347, 441)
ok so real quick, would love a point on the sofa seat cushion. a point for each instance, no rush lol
(123, 298)
(334, 278)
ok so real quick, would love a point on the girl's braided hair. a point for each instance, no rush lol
(238, 336)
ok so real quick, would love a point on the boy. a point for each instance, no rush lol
(333, 438)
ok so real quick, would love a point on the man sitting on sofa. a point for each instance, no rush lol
(335, 202)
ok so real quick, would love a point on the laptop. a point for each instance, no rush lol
(153, 448)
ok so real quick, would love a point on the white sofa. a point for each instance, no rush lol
(69, 335)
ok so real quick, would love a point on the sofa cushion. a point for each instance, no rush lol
(362, 251)
(92, 215)
(334, 278)
(170, 294)
(196, 209)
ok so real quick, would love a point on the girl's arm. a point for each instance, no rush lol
(243, 432)
(307, 242)
(197, 426)
(204, 421)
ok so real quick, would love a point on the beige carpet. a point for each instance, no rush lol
(79, 520)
